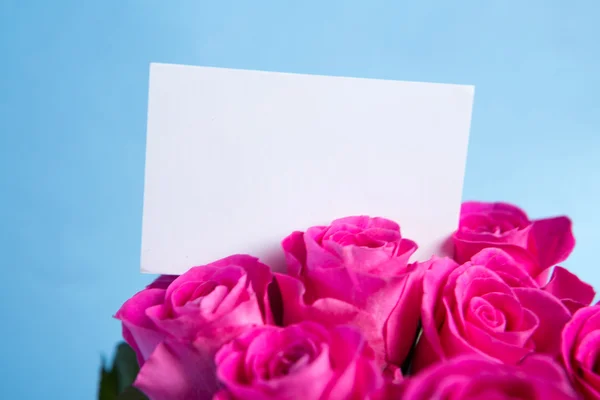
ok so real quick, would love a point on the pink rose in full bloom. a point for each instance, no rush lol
(303, 361)
(581, 351)
(355, 271)
(213, 301)
(490, 307)
(537, 377)
(542, 243)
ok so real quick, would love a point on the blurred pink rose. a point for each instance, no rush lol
(214, 301)
(303, 361)
(581, 351)
(542, 243)
(537, 377)
(489, 307)
(356, 269)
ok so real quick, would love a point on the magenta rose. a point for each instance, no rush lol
(356, 268)
(543, 243)
(329, 312)
(303, 361)
(213, 301)
(489, 307)
(464, 378)
(581, 351)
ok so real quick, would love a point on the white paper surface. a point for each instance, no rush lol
(236, 160)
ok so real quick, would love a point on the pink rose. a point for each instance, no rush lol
(490, 307)
(215, 301)
(304, 361)
(356, 269)
(537, 377)
(581, 351)
(544, 242)
(329, 312)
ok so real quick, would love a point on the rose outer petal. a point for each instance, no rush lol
(572, 291)
(429, 348)
(553, 240)
(328, 312)
(584, 321)
(295, 253)
(358, 375)
(138, 330)
(177, 370)
(588, 351)
(401, 327)
(537, 377)
(552, 315)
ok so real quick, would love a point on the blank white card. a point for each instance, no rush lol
(236, 160)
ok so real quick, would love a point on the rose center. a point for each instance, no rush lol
(492, 317)
(290, 360)
(485, 315)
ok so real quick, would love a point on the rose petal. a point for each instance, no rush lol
(363, 259)
(468, 287)
(470, 377)
(223, 395)
(138, 330)
(191, 325)
(358, 375)
(400, 330)
(259, 275)
(570, 336)
(329, 312)
(553, 240)
(453, 340)
(588, 350)
(591, 378)
(552, 315)
(512, 270)
(239, 292)
(489, 344)
(178, 371)
(249, 385)
(518, 216)
(364, 222)
(318, 257)
(214, 301)
(571, 290)
(510, 308)
(429, 348)
(162, 282)
(195, 274)
(295, 253)
(143, 341)
(185, 292)
(591, 325)
(485, 316)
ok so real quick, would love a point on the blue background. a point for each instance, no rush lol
(73, 93)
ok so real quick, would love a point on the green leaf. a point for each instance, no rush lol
(108, 387)
(131, 393)
(125, 365)
(115, 383)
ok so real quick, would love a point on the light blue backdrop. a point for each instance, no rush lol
(73, 92)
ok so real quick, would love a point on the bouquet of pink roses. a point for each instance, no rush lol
(353, 318)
